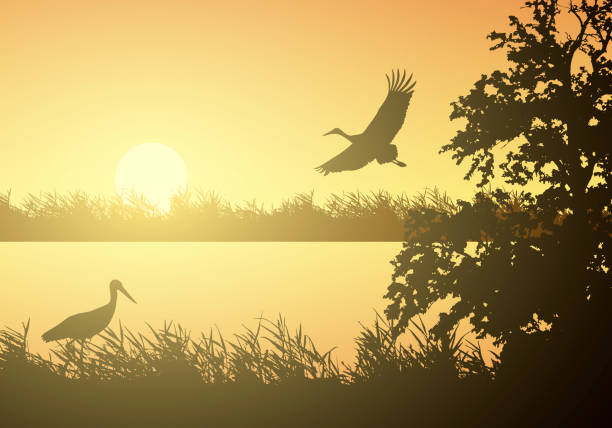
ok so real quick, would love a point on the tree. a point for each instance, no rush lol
(526, 268)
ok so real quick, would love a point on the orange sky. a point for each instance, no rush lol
(242, 90)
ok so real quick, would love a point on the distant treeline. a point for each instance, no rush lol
(205, 216)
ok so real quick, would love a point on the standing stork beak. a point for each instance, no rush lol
(125, 293)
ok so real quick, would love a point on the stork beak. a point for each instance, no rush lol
(327, 133)
(126, 294)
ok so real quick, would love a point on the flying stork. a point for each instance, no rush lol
(375, 141)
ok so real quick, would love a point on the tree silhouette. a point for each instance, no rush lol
(531, 270)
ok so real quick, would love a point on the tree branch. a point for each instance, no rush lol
(583, 25)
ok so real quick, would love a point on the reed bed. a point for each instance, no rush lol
(268, 353)
(206, 216)
(272, 376)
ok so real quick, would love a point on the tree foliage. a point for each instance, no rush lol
(525, 265)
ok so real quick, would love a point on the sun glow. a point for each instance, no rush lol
(153, 170)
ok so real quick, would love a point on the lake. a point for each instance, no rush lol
(328, 287)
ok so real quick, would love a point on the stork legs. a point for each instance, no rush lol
(69, 347)
(82, 342)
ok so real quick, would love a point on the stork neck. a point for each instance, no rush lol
(345, 135)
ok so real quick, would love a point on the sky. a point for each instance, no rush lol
(243, 91)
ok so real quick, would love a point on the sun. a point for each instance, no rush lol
(153, 170)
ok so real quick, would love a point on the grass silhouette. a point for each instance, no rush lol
(205, 216)
(268, 375)
(269, 353)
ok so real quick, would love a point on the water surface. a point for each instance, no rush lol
(328, 287)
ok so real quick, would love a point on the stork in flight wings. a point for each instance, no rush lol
(375, 141)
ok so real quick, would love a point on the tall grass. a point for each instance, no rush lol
(269, 375)
(269, 353)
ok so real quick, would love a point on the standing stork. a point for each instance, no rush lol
(87, 324)
(375, 141)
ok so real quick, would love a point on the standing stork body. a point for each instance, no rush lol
(375, 141)
(87, 324)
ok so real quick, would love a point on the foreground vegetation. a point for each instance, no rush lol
(265, 376)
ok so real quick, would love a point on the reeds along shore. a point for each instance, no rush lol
(377, 216)
(202, 216)
(272, 376)
(268, 375)
(269, 352)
